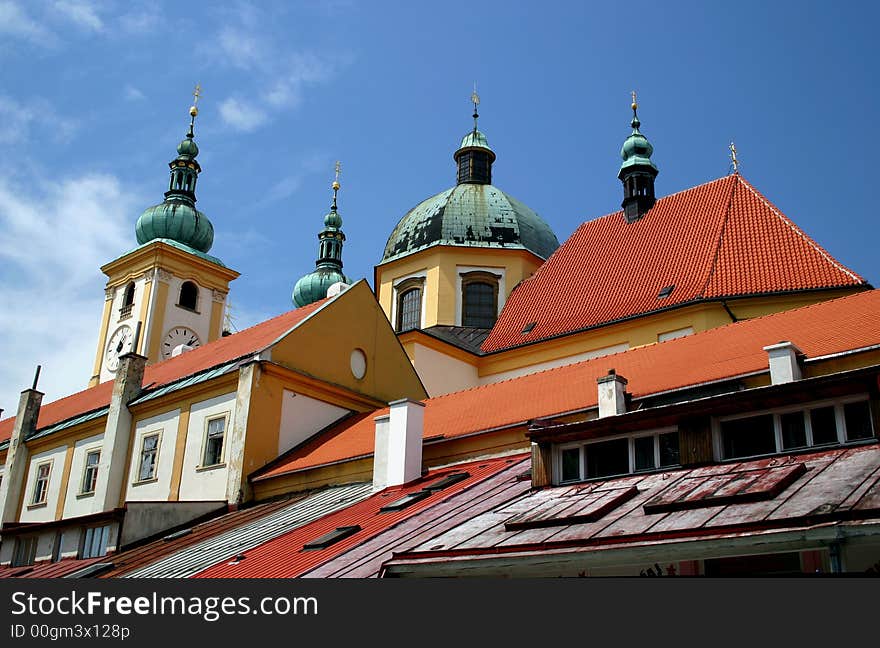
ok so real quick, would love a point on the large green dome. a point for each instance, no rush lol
(313, 287)
(176, 220)
(471, 215)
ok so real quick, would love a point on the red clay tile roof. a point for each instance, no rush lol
(833, 326)
(48, 569)
(284, 557)
(225, 349)
(716, 240)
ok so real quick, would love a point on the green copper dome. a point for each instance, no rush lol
(178, 221)
(176, 218)
(471, 215)
(313, 287)
(636, 150)
(475, 139)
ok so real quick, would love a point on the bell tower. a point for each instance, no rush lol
(169, 285)
(637, 172)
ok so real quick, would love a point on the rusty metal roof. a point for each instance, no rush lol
(832, 486)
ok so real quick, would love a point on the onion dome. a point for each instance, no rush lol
(328, 268)
(637, 172)
(176, 218)
(474, 213)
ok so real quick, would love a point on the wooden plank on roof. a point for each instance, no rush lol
(833, 485)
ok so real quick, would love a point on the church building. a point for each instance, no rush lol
(679, 382)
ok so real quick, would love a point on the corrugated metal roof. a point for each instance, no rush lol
(89, 416)
(197, 557)
(187, 382)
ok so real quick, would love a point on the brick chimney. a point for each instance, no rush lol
(784, 362)
(398, 452)
(612, 394)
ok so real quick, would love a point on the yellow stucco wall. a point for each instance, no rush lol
(441, 263)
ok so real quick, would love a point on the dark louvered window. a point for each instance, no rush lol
(480, 305)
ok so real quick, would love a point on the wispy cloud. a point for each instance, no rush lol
(241, 115)
(140, 21)
(18, 120)
(132, 94)
(81, 13)
(16, 22)
(57, 287)
(279, 75)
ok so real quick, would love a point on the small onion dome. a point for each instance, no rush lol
(176, 220)
(333, 219)
(313, 286)
(188, 148)
(475, 139)
(636, 150)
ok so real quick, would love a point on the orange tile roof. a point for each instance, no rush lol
(716, 240)
(224, 349)
(829, 327)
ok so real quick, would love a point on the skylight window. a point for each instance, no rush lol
(331, 538)
(666, 291)
(405, 501)
(447, 481)
(528, 328)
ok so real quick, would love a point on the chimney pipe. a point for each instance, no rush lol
(612, 394)
(17, 453)
(398, 453)
(784, 365)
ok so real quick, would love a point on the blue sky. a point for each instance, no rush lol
(94, 97)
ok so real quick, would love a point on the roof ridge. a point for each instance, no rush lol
(797, 230)
(713, 266)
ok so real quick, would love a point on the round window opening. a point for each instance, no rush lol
(358, 364)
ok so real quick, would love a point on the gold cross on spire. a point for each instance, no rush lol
(733, 159)
(475, 99)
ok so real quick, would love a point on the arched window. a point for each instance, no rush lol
(479, 299)
(128, 298)
(409, 304)
(189, 295)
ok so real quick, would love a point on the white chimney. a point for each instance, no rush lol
(784, 366)
(398, 454)
(612, 394)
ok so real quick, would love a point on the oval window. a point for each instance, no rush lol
(358, 364)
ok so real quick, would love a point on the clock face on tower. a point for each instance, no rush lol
(179, 335)
(119, 344)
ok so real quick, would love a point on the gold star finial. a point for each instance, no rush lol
(634, 103)
(733, 159)
(338, 170)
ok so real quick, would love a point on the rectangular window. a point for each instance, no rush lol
(668, 446)
(95, 541)
(607, 458)
(41, 484)
(90, 472)
(644, 453)
(571, 464)
(25, 552)
(149, 456)
(214, 441)
(820, 425)
(824, 425)
(857, 417)
(748, 437)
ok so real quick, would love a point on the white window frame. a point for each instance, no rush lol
(45, 499)
(459, 295)
(103, 540)
(631, 452)
(776, 412)
(208, 419)
(82, 481)
(140, 457)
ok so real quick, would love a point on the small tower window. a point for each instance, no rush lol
(189, 296)
(479, 299)
(409, 309)
(127, 301)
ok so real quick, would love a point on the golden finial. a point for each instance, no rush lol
(336, 184)
(733, 159)
(193, 110)
(634, 104)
